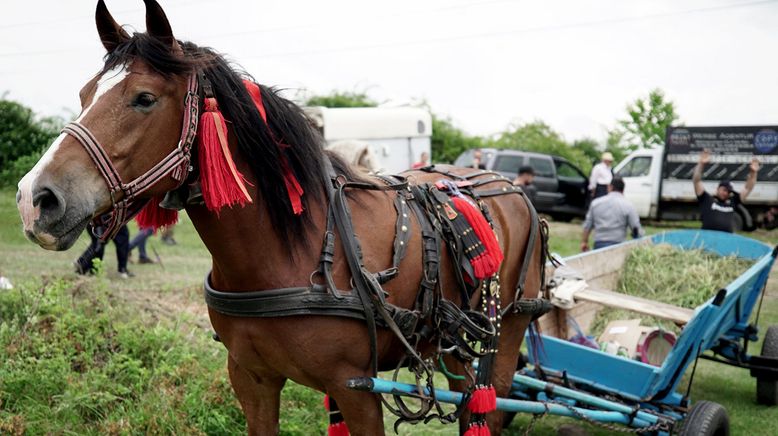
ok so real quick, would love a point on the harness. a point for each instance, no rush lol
(454, 327)
(124, 202)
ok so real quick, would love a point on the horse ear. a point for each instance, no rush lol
(111, 33)
(157, 24)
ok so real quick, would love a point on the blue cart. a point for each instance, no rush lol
(718, 330)
(568, 379)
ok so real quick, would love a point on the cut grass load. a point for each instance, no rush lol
(663, 273)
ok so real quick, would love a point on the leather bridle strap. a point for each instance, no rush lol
(175, 164)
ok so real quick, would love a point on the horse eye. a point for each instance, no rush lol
(144, 100)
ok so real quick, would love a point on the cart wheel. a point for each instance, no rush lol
(767, 389)
(706, 419)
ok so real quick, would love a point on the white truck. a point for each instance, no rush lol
(395, 137)
(659, 181)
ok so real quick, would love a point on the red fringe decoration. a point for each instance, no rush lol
(488, 263)
(153, 217)
(339, 429)
(484, 400)
(478, 429)
(293, 188)
(222, 183)
(326, 402)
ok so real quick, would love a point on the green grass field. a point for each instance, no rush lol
(101, 355)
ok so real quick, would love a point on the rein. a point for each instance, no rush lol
(124, 202)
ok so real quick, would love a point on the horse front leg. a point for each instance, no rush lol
(507, 358)
(361, 410)
(259, 396)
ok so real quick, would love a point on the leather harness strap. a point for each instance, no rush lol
(123, 195)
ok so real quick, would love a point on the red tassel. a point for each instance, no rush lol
(339, 429)
(478, 429)
(153, 217)
(484, 400)
(222, 183)
(488, 263)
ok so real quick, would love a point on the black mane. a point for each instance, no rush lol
(258, 143)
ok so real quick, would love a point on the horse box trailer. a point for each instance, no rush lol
(659, 181)
(396, 136)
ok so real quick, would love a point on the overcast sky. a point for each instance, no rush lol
(574, 64)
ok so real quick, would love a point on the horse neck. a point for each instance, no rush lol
(248, 254)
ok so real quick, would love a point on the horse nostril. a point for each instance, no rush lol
(48, 202)
(18, 196)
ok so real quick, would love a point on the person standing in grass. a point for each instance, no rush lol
(139, 242)
(85, 263)
(717, 211)
(610, 217)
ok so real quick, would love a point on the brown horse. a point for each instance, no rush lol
(135, 107)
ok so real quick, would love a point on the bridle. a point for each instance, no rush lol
(124, 201)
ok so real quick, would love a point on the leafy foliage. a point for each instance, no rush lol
(589, 147)
(21, 134)
(539, 137)
(15, 170)
(648, 119)
(22, 140)
(341, 99)
(448, 141)
(75, 362)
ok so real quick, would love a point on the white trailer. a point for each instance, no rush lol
(396, 136)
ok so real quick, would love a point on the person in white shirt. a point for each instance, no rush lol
(601, 177)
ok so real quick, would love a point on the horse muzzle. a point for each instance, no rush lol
(49, 219)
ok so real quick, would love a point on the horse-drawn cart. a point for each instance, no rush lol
(568, 379)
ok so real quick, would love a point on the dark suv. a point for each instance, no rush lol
(562, 187)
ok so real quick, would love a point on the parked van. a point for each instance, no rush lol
(659, 181)
(562, 187)
(396, 137)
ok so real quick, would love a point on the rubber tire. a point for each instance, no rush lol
(706, 419)
(767, 390)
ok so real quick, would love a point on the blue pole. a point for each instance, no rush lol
(377, 385)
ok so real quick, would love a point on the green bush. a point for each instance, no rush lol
(73, 363)
(14, 171)
(21, 134)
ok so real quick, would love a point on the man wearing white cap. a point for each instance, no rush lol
(601, 177)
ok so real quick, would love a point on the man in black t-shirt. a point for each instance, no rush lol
(718, 211)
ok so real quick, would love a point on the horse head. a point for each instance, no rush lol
(131, 110)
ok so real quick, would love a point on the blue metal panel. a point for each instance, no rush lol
(595, 367)
(709, 324)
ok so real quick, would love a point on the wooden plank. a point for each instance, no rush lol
(679, 315)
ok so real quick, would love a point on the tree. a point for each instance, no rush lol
(615, 145)
(448, 141)
(21, 134)
(22, 140)
(539, 137)
(341, 99)
(589, 147)
(647, 121)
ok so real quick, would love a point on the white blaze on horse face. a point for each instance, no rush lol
(111, 78)
(27, 210)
